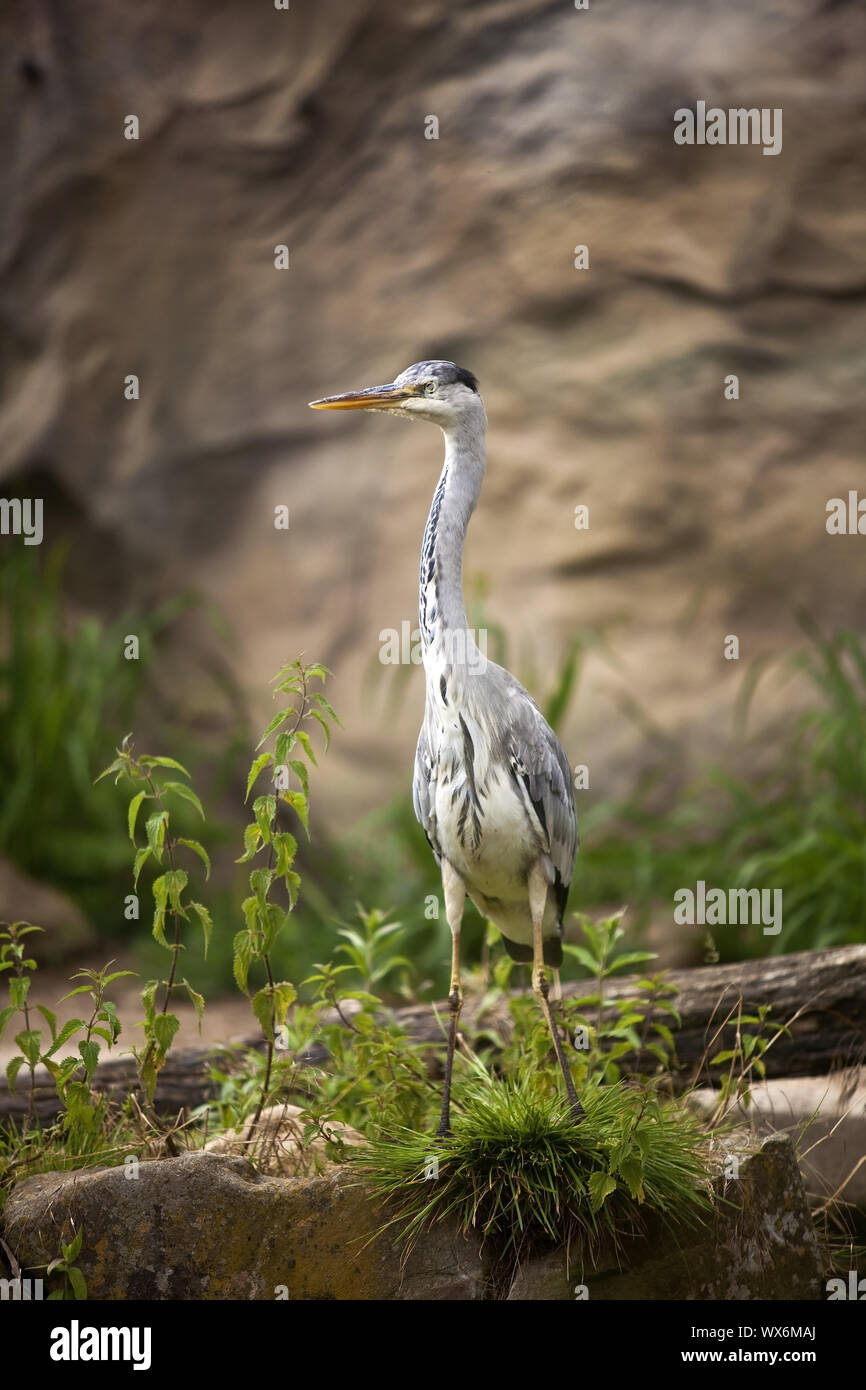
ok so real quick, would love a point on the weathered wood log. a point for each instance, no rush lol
(820, 994)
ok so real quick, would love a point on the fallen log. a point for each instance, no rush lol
(820, 994)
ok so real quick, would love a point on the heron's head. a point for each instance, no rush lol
(439, 392)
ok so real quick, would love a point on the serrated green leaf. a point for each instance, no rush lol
(204, 918)
(160, 898)
(148, 996)
(89, 1056)
(304, 741)
(141, 858)
(175, 881)
(264, 810)
(285, 995)
(243, 956)
(580, 953)
(263, 1009)
(300, 770)
(275, 723)
(132, 814)
(19, 988)
(285, 742)
(629, 958)
(164, 1028)
(252, 843)
(200, 851)
(286, 847)
(631, 1170)
(601, 1185)
(72, 1026)
(298, 803)
(30, 1042)
(197, 1000)
(155, 827)
(264, 760)
(12, 1070)
(665, 1033)
(260, 882)
(50, 1019)
(163, 762)
(320, 700)
(186, 794)
(320, 719)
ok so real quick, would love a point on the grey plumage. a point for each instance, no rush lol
(492, 786)
(507, 752)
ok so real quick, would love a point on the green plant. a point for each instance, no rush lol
(265, 919)
(603, 1029)
(744, 1056)
(338, 1051)
(370, 951)
(146, 774)
(74, 1286)
(13, 958)
(521, 1173)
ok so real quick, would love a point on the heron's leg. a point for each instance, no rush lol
(454, 891)
(541, 988)
(557, 987)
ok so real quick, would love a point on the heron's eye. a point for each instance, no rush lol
(429, 388)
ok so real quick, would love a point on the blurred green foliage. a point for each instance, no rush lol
(67, 696)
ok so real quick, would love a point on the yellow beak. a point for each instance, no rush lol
(374, 398)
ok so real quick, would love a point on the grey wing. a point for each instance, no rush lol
(542, 771)
(423, 790)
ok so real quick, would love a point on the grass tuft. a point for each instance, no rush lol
(520, 1172)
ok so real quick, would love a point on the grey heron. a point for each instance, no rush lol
(492, 786)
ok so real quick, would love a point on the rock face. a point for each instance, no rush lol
(761, 1245)
(208, 1226)
(604, 386)
(829, 1112)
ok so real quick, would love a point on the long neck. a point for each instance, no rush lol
(442, 615)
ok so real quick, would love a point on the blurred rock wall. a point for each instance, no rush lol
(604, 386)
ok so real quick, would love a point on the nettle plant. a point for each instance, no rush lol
(265, 919)
(82, 1111)
(147, 774)
(340, 1053)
